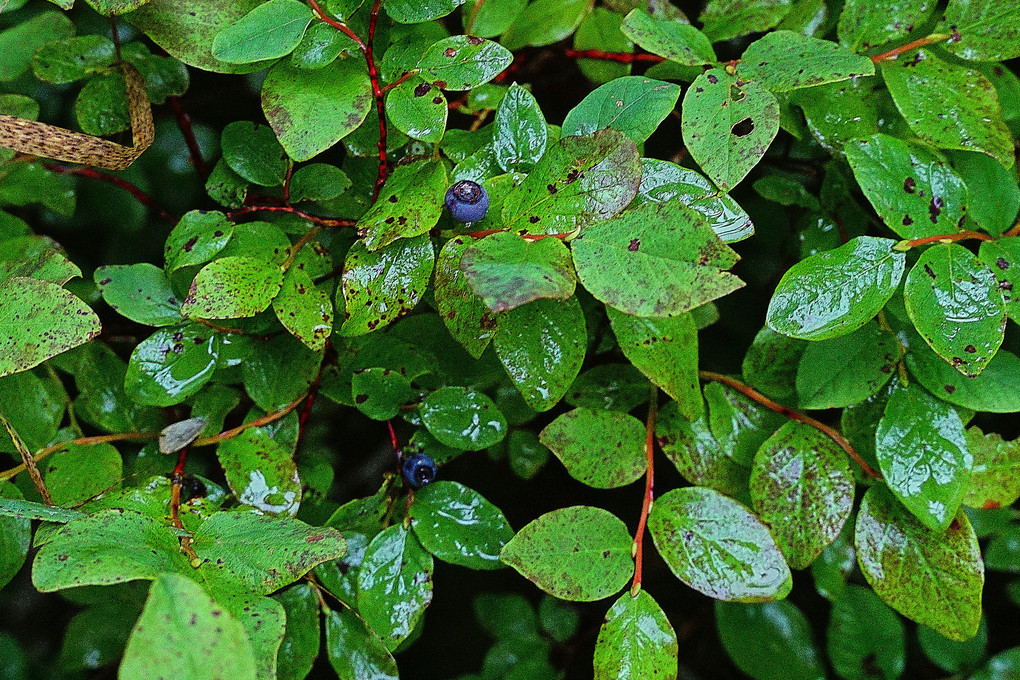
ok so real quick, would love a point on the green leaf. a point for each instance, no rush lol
(81, 472)
(846, 370)
(529, 335)
(634, 105)
(932, 577)
(694, 451)
(305, 310)
(784, 60)
(994, 390)
(462, 418)
(914, 192)
(580, 553)
(838, 113)
(33, 408)
(603, 449)
(636, 641)
(665, 349)
(457, 525)
(602, 30)
(728, 125)
(662, 181)
(465, 315)
(739, 424)
(487, 19)
(1000, 667)
(717, 546)
(669, 39)
(609, 387)
(923, 454)
(261, 472)
(253, 152)
(725, 19)
(140, 292)
(394, 584)
(420, 11)
(925, 86)
(657, 259)
(544, 22)
(196, 238)
(410, 204)
(354, 651)
(580, 180)
(507, 271)
(232, 287)
(97, 636)
(957, 307)
(802, 488)
(519, 134)
(65, 61)
(864, 24)
(182, 628)
(279, 371)
(20, 509)
(260, 553)
(781, 647)
(418, 110)
(983, 175)
(864, 634)
(835, 292)
(15, 538)
(310, 110)
(381, 286)
(164, 76)
(953, 656)
(300, 644)
(19, 42)
(269, 31)
(172, 364)
(101, 107)
(981, 30)
(39, 320)
(771, 362)
(1003, 258)
(463, 62)
(994, 481)
(318, 182)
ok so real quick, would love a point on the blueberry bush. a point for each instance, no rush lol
(298, 296)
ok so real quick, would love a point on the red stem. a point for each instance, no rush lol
(394, 440)
(91, 173)
(618, 57)
(184, 123)
(323, 221)
(405, 76)
(946, 238)
(337, 25)
(373, 76)
(646, 504)
(920, 42)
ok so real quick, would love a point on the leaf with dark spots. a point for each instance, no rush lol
(909, 185)
(422, 185)
(382, 285)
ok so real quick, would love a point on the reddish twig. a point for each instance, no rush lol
(92, 173)
(757, 396)
(175, 489)
(321, 221)
(184, 123)
(1013, 231)
(406, 75)
(646, 505)
(373, 76)
(337, 25)
(920, 42)
(394, 440)
(474, 15)
(618, 57)
(258, 422)
(943, 238)
(313, 390)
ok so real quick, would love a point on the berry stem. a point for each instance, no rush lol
(646, 504)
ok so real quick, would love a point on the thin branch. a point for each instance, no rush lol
(757, 396)
(373, 76)
(920, 42)
(618, 57)
(184, 123)
(942, 238)
(322, 221)
(337, 25)
(29, 461)
(258, 422)
(646, 504)
(298, 245)
(92, 173)
(85, 441)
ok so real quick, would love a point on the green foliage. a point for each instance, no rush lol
(776, 241)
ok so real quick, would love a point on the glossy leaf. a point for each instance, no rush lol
(863, 634)
(725, 19)
(657, 259)
(463, 62)
(694, 451)
(864, 24)
(507, 271)
(580, 553)
(1003, 258)
(462, 418)
(603, 449)
(924, 87)
(957, 307)
(541, 345)
(305, 310)
(981, 30)
(15, 538)
(784, 60)
(354, 651)
(300, 644)
(196, 238)
(802, 488)
(81, 472)
(409, 205)
(310, 110)
(416, 11)
(669, 39)
(269, 31)
(140, 292)
(381, 286)
(932, 577)
(634, 105)
(835, 292)
(38, 257)
(253, 152)
(717, 546)
(261, 473)
(465, 315)
(459, 526)
(994, 390)
(739, 424)
(994, 481)
(728, 124)
(636, 641)
(182, 627)
(520, 135)
(232, 287)
(39, 320)
(394, 584)
(578, 181)
(418, 109)
(914, 192)
(780, 649)
(846, 370)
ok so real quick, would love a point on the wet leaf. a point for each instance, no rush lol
(994, 480)
(140, 292)
(725, 19)
(634, 105)
(981, 30)
(846, 370)
(463, 418)
(603, 449)
(784, 60)
(465, 315)
(459, 526)
(354, 651)
(381, 286)
(864, 24)
(196, 238)
(409, 204)
(463, 62)
(418, 109)
(520, 133)
(863, 634)
(507, 271)
(696, 454)
(261, 472)
(636, 641)
(232, 287)
(672, 40)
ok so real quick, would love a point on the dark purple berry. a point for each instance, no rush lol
(467, 201)
(418, 470)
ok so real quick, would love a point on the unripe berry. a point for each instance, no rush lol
(418, 470)
(467, 201)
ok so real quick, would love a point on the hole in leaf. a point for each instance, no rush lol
(736, 94)
(743, 128)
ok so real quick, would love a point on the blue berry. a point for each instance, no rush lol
(418, 470)
(467, 201)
